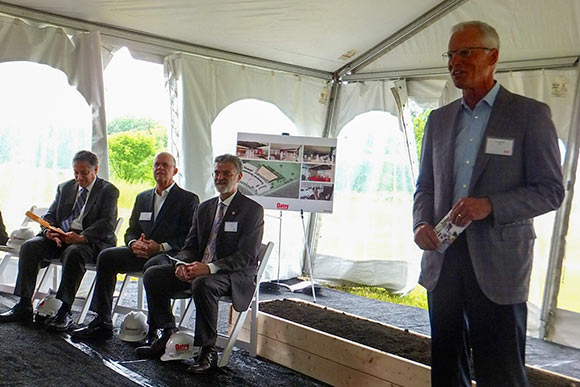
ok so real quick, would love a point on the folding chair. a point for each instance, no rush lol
(228, 342)
(13, 252)
(54, 265)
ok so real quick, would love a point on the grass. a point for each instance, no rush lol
(417, 297)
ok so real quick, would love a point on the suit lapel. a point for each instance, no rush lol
(496, 127)
(445, 138)
(68, 197)
(95, 192)
(169, 203)
(208, 222)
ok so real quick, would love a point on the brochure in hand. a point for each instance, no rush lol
(44, 223)
(447, 232)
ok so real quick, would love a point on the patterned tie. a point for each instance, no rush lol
(209, 255)
(76, 211)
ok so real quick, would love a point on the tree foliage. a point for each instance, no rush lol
(127, 124)
(131, 156)
(419, 121)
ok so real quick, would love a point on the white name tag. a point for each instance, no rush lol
(499, 146)
(145, 216)
(231, 227)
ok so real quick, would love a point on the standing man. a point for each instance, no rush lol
(491, 158)
(158, 226)
(221, 259)
(85, 209)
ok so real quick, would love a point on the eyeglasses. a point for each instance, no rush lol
(463, 52)
(226, 174)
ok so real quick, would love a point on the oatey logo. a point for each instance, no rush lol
(282, 206)
(181, 347)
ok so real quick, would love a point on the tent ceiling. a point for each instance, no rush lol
(316, 34)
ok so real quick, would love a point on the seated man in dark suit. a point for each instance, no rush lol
(158, 226)
(220, 252)
(85, 210)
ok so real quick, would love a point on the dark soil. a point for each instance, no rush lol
(379, 336)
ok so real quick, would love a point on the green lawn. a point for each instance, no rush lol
(417, 297)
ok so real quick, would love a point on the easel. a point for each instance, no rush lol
(293, 288)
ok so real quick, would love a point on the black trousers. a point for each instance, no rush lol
(162, 285)
(110, 262)
(464, 321)
(34, 254)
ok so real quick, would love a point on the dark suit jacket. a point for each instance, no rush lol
(236, 252)
(100, 211)
(521, 186)
(171, 224)
(3, 234)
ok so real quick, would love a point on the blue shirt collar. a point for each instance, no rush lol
(489, 98)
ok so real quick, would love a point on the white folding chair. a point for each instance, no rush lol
(56, 263)
(228, 342)
(13, 252)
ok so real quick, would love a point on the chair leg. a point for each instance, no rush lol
(88, 301)
(239, 323)
(185, 311)
(5, 262)
(140, 294)
(118, 300)
(41, 283)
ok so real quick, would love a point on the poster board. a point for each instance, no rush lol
(288, 172)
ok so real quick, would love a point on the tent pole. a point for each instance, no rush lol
(561, 224)
(417, 25)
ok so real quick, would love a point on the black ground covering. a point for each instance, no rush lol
(31, 356)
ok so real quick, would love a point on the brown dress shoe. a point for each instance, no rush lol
(206, 362)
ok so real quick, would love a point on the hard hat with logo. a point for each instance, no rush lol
(180, 346)
(134, 327)
(48, 307)
(19, 236)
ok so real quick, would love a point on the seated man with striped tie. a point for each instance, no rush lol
(85, 209)
(220, 258)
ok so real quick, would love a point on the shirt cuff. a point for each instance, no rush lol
(131, 242)
(213, 268)
(165, 247)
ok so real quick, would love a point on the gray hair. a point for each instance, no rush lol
(488, 33)
(228, 158)
(166, 153)
(86, 156)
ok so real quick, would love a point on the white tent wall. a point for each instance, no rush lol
(204, 87)
(78, 56)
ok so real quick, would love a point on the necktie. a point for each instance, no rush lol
(76, 211)
(209, 255)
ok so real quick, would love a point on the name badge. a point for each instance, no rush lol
(231, 227)
(499, 146)
(145, 216)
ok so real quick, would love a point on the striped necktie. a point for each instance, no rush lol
(209, 255)
(76, 211)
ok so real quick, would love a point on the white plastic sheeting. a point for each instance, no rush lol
(77, 55)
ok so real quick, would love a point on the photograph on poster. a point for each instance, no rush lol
(318, 172)
(319, 154)
(285, 152)
(270, 178)
(252, 150)
(316, 191)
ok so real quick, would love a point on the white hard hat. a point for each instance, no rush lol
(134, 327)
(19, 236)
(47, 307)
(180, 347)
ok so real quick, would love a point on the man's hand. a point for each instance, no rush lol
(145, 248)
(470, 209)
(72, 238)
(189, 272)
(426, 238)
(53, 236)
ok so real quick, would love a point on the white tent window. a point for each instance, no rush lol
(372, 205)
(43, 123)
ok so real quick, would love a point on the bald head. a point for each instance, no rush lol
(164, 168)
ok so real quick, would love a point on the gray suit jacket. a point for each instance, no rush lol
(236, 251)
(521, 186)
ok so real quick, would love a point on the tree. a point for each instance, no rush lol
(126, 124)
(419, 121)
(131, 156)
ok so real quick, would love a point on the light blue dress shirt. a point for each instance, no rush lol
(472, 125)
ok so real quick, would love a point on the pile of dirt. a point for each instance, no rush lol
(379, 336)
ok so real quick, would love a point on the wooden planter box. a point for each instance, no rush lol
(341, 362)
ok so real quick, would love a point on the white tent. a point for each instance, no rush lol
(321, 63)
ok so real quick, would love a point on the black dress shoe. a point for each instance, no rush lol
(97, 329)
(152, 335)
(206, 362)
(157, 348)
(61, 322)
(17, 313)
